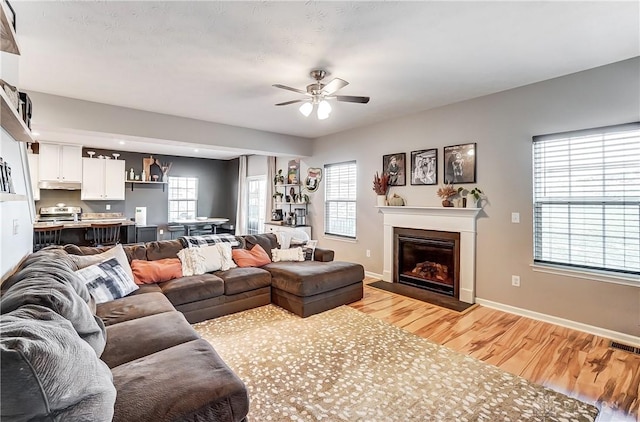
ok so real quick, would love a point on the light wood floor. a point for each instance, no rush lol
(572, 362)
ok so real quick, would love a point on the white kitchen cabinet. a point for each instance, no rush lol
(272, 228)
(102, 180)
(60, 163)
(34, 172)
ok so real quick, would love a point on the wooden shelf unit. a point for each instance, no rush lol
(11, 121)
(140, 182)
(9, 42)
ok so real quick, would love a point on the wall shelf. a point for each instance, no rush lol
(9, 42)
(7, 197)
(140, 182)
(11, 121)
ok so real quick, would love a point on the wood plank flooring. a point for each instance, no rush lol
(577, 364)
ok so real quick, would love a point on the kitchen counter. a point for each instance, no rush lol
(83, 223)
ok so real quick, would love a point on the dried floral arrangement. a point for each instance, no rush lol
(381, 183)
(447, 191)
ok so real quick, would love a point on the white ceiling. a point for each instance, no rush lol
(216, 61)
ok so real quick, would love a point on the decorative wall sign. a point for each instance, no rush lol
(314, 177)
(395, 166)
(460, 163)
(293, 172)
(424, 167)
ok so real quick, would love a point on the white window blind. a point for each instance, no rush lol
(587, 198)
(340, 199)
(256, 204)
(183, 198)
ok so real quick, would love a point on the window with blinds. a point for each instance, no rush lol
(340, 199)
(587, 198)
(183, 198)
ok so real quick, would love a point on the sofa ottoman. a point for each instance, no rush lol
(310, 287)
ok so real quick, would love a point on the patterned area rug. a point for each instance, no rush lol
(346, 365)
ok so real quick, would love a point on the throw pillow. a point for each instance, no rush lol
(256, 257)
(197, 261)
(293, 254)
(149, 272)
(226, 256)
(107, 280)
(117, 252)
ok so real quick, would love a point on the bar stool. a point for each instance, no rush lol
(105, 234)
(46, 236)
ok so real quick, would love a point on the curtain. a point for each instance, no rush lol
(271, 174)
(241, 216)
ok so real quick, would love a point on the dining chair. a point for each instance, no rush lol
(46, 236)
(105, 234)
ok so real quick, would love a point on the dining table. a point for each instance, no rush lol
(197, 225)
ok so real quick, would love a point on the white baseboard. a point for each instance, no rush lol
(602, 332)
(373, 275)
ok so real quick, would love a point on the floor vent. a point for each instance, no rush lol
(625, 347)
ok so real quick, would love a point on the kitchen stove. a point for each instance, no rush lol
(56, 214)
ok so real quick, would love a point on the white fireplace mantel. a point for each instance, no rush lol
(449, 219)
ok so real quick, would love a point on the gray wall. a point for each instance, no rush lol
(502, 124)
(217, 189)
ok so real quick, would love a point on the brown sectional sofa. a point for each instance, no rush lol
(304, 288)
(159, 369)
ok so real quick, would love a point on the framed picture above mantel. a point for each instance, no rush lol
(424, 167)
(460, 163)
(395, 166)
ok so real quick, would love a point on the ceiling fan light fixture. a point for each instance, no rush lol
(324, 109)
(306, 109)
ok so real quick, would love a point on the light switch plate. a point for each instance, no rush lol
(515, 217)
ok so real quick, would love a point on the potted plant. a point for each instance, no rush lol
(476, 193)
(279, 178)
(381, 187)
(446, 193)
(278, 196)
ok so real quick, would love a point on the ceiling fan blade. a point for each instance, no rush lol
(290, 102)
(288, 88)
(334, 85)
(352, 99)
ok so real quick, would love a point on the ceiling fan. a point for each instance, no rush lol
(318, 94)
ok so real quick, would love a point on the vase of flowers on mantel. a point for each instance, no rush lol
(381, 188)
(475, 193)
(446, 193)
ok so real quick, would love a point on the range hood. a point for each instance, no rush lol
(60, 185)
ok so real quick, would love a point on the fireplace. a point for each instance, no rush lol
(427, 259)
(440, 219)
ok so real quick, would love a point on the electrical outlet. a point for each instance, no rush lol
(368, 253)
(161, 232)
(515, 217)
(515, 280)
(108, 207)
(15, 226)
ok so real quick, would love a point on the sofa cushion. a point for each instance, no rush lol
(131, 251)
(256, 257)
(311, 277)
(268, 241)
(192, 289)
(197, 261)
(185, 382)
(107, 280)
(133, 339)
(132, 307)
(146, 288)
(150, 272)
(163, 249)
(48, 372)
(117, 252)
(238, 280)
(63, 300)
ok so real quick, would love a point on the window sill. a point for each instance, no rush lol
(340, 239)
(603, 276)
